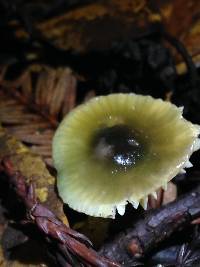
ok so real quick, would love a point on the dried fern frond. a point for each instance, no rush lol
(31, 113)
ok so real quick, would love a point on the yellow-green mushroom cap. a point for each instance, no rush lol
(120, 148)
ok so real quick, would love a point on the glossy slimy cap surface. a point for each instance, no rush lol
(120, 148)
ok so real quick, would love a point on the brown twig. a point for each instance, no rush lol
(157, 226)
(69, 241)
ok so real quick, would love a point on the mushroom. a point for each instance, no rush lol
(120, 148)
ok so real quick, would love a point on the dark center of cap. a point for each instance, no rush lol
(118, 144)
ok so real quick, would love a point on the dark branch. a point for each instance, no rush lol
(157, 226)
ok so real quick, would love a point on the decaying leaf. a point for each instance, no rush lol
(34, 169)
(96, 25)
(31, 165)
